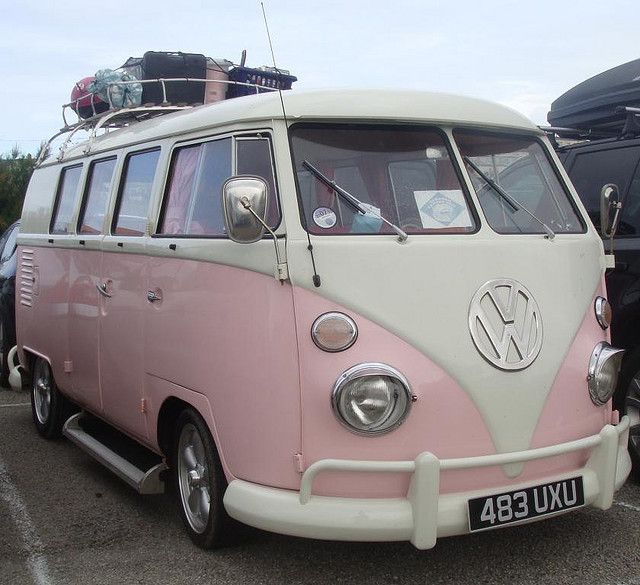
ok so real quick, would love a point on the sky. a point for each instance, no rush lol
(521, 54)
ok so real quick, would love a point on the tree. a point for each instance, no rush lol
(15, 172)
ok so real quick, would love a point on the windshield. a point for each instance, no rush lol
(401, 173)
(521, 168)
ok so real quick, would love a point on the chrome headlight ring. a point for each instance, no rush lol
(604, 366)
(371, 399)
(602, 309)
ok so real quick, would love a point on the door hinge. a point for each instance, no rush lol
(68, 366)
(298, 462)
(143, 405)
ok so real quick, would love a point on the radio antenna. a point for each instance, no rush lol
(316, 276)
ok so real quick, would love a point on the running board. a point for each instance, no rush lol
(144, 482)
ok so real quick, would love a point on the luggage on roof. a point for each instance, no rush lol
(596, 102)
(167, 65)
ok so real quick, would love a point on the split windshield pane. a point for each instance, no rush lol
(403, 173)
(521, 167)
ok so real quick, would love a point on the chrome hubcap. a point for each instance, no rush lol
(42, 393)
(193, 478)
(632, 406)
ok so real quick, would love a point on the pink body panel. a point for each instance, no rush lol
(122, 341)
(44, 326)
(229, 334)
(84, 327)
(443, 420)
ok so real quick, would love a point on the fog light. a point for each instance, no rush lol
(603, 312)
(334, 332)
(371, 399)
(604, 367)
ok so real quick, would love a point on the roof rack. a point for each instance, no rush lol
(114, 117)
(554, 133)
(630, 129)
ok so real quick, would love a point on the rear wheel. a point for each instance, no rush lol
(48, 407)
(200, 482)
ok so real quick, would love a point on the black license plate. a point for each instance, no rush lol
(519, 505)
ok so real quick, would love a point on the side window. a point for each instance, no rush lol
(135, 193)
(193, 201)
(253, 157)
(96, 198)
(592, 170)
(9, 245)
(65, 199)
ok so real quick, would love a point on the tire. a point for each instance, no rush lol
(49, 408)
(627, 401)
(199, 483)
(632, 410)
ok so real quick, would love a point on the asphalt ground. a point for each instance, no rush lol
(66, 519)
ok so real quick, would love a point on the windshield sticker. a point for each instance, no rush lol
(442, 209)
(324, 217)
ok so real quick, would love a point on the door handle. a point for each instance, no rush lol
(153, 296)
(102, 289)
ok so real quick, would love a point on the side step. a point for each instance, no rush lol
(145, 482)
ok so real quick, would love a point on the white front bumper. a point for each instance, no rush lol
(424, 515)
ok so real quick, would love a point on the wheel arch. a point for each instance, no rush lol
(30, 356)
(168, 414)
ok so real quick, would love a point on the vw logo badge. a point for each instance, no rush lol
(505, 324)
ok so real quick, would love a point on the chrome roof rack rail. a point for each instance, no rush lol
(114, 118)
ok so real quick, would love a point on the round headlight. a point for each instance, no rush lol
(371, 399)
(603, 312)
(334, 332)
(604, 366)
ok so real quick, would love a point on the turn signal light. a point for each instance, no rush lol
(334, 332)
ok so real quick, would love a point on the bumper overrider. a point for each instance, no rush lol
(424, 515)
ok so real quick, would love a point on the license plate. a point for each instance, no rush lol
(500, 509)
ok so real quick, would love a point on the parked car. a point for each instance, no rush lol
(8, 256)
(599, 124)
(327, 319)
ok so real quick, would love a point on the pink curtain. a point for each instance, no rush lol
(180, 190)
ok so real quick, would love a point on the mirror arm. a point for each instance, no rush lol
(614, 224)
(283, 272)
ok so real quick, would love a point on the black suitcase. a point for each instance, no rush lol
(594, 104)
(156, 65)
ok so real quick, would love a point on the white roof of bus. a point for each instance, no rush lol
(338, 105)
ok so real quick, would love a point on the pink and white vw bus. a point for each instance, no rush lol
(370, 316)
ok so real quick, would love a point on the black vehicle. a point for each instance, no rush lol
(602, 117)
(8, 261)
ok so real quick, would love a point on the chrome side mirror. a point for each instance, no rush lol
(610, 206)
(244, 200)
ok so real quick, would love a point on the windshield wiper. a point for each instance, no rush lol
(352, 200)
(515, 206)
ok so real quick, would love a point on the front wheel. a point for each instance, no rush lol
(49, 408)
(632, 410)
(200, 482)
